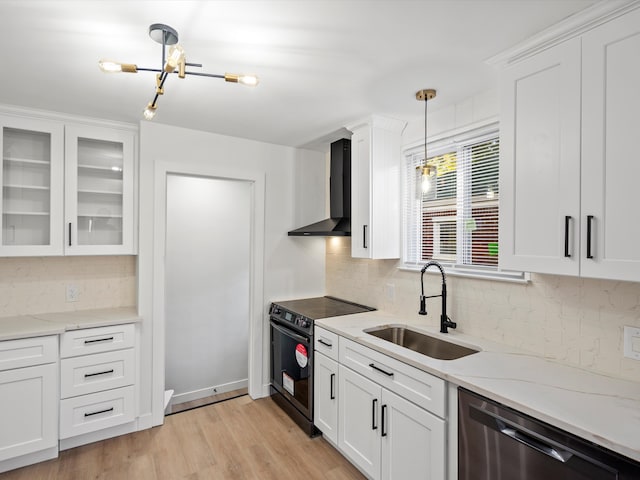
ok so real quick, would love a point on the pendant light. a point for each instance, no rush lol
(173, 62)
(425, 173)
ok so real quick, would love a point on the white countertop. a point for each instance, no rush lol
(601, 409)
(38, 325)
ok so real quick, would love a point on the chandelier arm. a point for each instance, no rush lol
(199, 74)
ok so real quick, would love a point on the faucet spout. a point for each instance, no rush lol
(445, 321)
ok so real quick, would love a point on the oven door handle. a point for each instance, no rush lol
(290, 333)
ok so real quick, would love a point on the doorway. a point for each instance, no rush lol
(207, 287)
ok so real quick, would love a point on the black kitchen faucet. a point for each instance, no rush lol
(445, 321)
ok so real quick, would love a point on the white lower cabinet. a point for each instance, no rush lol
(29, 399)
(325, 396)
(386, 417)
(97, 377)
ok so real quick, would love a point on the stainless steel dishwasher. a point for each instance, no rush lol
(498, 443)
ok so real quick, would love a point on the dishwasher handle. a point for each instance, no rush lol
(517, 433)
(529, 441)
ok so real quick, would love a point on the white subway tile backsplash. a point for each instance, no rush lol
(570, 320)
(31, 285)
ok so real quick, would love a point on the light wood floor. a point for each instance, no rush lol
(236, 439)
(200, 402)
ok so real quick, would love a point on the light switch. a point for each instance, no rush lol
(632, 342)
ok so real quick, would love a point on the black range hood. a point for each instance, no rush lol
(339, 224)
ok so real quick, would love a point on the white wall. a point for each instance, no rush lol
(294, 196)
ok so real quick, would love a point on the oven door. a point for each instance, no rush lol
(291, 367)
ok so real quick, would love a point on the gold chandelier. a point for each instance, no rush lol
(172, 62)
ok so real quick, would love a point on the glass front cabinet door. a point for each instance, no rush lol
(32, 186)
(99, 191)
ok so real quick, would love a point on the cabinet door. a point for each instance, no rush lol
(610, 166)
(29, 413)
(99, 191)
(325, 402)
(31, 179)
(361, 193)
(359, 421)
(540, 162)
(413, 440)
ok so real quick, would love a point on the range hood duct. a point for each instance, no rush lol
(339, 224)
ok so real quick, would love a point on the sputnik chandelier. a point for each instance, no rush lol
(173, 62)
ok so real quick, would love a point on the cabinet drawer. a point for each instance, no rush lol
(95, 340)
(88, 413)
(326, 342)
(94, 373)
(27, 352)
(417, 386)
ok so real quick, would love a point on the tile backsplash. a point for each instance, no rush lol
(571, 320)
(30, 285)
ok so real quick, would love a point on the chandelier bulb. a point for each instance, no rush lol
(175, 58)
(150, 111)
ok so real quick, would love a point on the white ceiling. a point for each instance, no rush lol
(322, 64)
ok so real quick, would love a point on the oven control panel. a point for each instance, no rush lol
(292, 318)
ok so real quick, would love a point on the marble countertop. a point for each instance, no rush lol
(599, 408)
(38, 325)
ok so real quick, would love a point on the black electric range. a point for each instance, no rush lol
(292, 351)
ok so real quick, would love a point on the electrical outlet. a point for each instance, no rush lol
(73, 292)
(632, 342)
(390, 290)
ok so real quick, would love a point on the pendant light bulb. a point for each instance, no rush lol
(248, 80)
(109, 66)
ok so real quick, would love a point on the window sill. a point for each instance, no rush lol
(510, 277)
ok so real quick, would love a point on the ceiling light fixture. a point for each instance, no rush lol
(426, 173)
(172, 62)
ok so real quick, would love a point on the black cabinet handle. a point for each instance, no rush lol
(589, 222)
(332, 380)
(364, 236)
(98, 412)
(106, 339)
(326, 344)
(567, 220)
(384, 430)
(374, 426)
(69, 233)
(106, 372)
(388, 374)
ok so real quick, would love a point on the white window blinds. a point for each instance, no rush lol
(456, 222)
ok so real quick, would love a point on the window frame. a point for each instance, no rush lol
(437, 145)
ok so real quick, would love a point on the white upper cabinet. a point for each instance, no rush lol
(31, 179)
(610, 162)
(66, 189)
(99, 191)
(540, 162)
(569, 157)
(375, 187)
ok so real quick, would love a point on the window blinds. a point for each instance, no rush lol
(457, 223)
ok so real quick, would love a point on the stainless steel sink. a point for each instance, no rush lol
(418, 342)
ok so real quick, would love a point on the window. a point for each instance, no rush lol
(455, 223)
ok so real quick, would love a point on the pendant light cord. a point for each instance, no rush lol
(425, 130)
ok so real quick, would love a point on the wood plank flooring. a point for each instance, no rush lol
(200, 402)
(236, 439)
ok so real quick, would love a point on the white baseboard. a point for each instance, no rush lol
(207, 392)
(97, 436)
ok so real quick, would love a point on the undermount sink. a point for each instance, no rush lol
(418, 342)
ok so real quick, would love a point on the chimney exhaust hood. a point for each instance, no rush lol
(339, 223)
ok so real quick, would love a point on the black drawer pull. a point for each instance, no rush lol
(332, 394)
(87, 375)
(374, 410)
(98, 412)
(589, 222)
(106, 339)
(567, 220)
(384, 430)
(388, 374)
(326, 344)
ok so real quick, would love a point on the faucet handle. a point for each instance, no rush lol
(423, 305)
